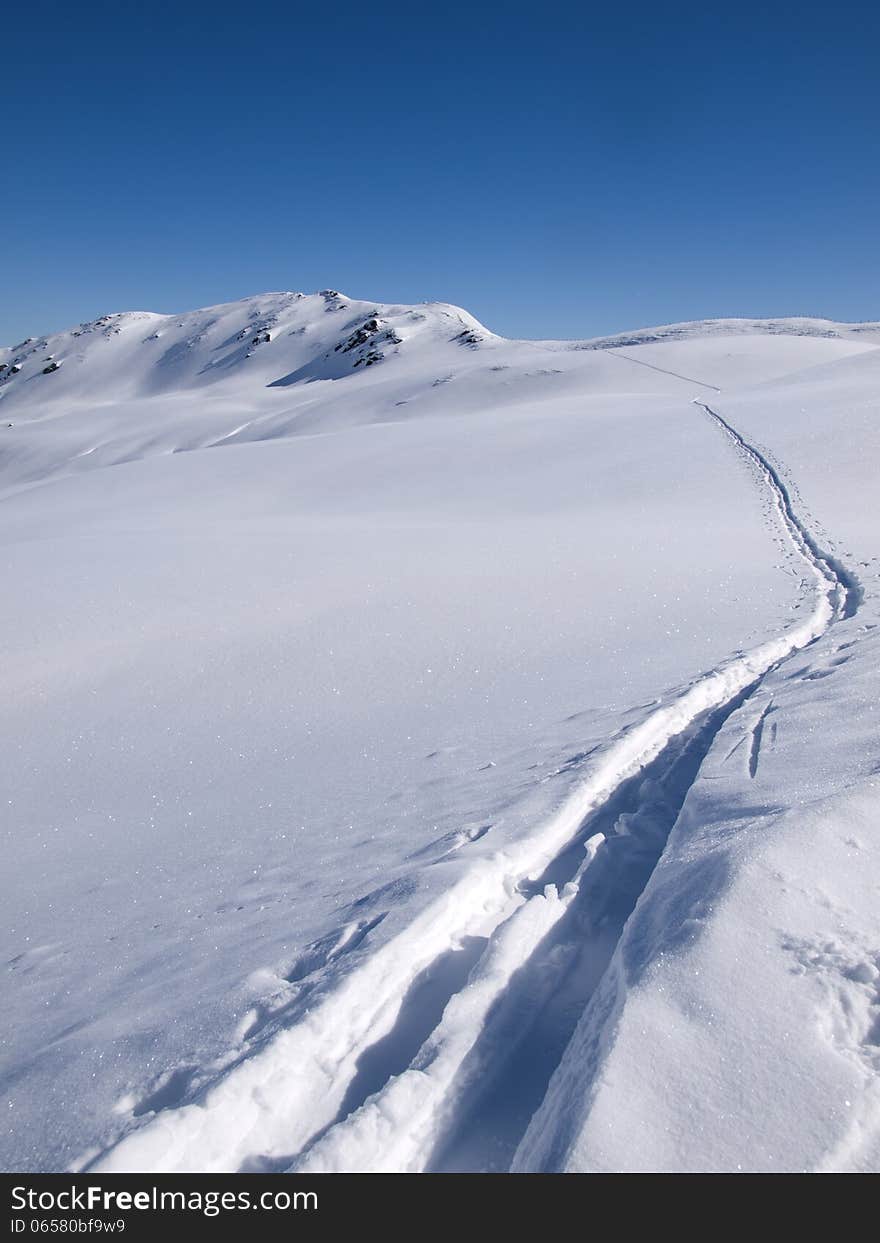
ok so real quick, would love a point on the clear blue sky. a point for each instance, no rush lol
(558, 169)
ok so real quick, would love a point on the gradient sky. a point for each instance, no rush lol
(558, 169)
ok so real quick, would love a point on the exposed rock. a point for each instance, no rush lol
(333, 299)
(360, 336)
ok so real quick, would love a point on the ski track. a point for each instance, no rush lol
(615, 353)
(845, 588)
(436, 1050)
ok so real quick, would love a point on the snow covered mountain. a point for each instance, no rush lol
(431, 751)
(134, 384)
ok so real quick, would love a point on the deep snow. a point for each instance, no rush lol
(310, 697)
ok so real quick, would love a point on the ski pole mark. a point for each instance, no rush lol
(757, 735)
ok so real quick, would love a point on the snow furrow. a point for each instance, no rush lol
(286, 1104)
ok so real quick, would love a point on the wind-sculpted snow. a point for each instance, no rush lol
(370, 686)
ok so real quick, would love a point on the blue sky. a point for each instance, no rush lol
(558, 169)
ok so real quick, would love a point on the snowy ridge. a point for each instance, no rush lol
(137, 384)
(288, 1103)
(796, 326)
(271, 339)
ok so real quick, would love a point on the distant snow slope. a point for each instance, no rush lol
(304, 738)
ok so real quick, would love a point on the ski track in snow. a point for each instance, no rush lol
(435, 1051)
(615, 353)
(846, 591)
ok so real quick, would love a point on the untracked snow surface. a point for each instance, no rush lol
(427, 751)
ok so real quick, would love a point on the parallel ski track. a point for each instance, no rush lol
(523, 917)
(846, 591)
